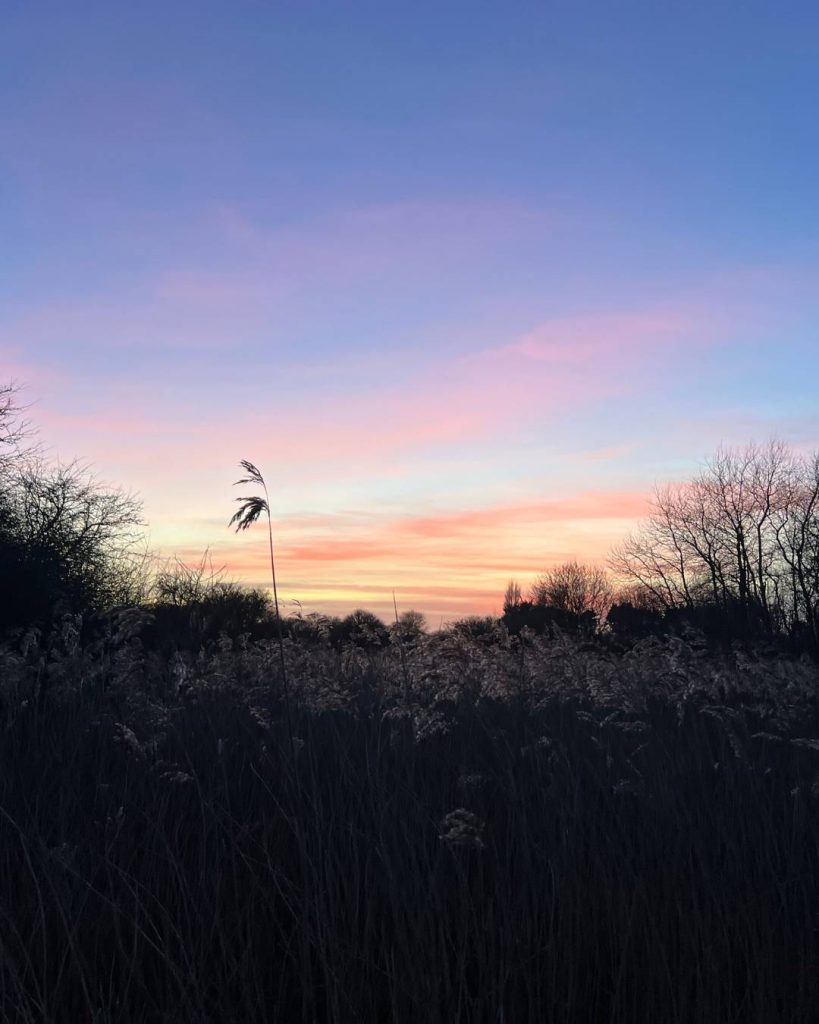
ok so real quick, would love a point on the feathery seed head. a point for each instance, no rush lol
(253, 474)
(462, 828)
(250, 509)
(253, 506)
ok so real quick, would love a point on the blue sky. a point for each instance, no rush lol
(442, 260)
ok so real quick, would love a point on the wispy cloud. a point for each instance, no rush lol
(573, 341)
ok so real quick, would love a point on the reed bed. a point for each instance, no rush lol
(492, 829)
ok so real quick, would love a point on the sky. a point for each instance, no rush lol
(464, 280)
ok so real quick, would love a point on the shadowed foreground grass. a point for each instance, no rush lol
(507, 834)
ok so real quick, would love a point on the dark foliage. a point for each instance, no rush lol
(31, 585)
(228, 610)
(548, 620)
(359, 629)
(720, 627)
(630, 624)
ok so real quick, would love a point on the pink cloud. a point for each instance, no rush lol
(567, 363)
(490, 397)
(576, 340)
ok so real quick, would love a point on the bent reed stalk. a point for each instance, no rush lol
(249, 511)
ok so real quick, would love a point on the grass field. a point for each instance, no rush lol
(463, 829)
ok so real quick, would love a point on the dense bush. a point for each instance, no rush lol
(67, 544)
(549, 620)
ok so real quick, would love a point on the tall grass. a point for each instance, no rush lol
(469, 831)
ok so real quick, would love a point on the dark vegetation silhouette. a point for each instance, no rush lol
(67, 542)
(602, 805)
(570, 597)
(739, 544)
(192, 605)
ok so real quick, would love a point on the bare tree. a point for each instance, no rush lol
(575, 588)
(738, 537)
(797, 538)
(17, 436)
(638, 597)
(512, 597)
(12, 427)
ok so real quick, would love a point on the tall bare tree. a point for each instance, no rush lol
(575, 588)
(512, 597)
(739, 536)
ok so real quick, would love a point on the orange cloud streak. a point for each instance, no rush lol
(452, 562)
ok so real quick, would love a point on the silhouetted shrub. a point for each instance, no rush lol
(629, 623)
(32, 587)
(544, 619)
(358, 629)
(227, 609)
(67, 543)
(312, 629)
(410, 627)
(484, 628)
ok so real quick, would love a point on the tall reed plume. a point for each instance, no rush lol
(251, 508)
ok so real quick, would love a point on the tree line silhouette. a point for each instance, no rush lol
(732, 554)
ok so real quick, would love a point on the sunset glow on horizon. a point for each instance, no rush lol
(463, 281)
